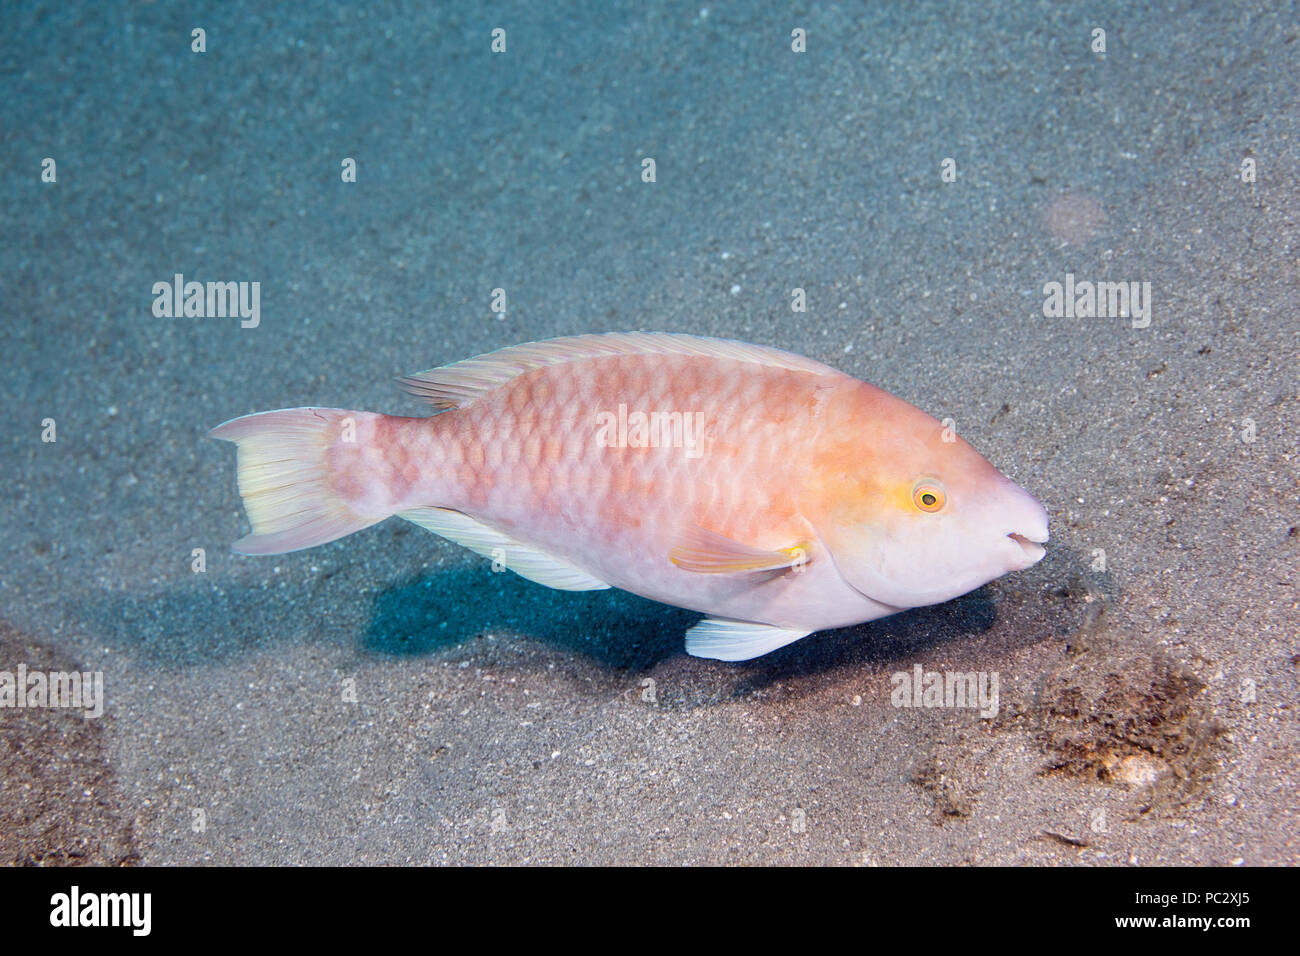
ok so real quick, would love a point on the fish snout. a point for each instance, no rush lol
(1026, 529)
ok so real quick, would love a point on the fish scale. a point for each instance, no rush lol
(551, 412)
(617, 512)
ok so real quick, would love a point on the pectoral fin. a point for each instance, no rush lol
(726, 640)
(707, 552)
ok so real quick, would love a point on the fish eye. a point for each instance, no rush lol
(928, 495)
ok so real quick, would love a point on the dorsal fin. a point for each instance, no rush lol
(458, 384)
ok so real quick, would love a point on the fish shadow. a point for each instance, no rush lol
(199, 623)
(431, 613)
(877, 644)
(428, 614)
(203, 623)
(1005, 615)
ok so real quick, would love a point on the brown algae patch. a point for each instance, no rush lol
(1126, 716)
(950, 798)
(1111, 711)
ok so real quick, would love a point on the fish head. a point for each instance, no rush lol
(913, 515)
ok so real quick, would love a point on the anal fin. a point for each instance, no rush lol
(525, 560)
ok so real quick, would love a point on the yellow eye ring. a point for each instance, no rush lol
(928, 495)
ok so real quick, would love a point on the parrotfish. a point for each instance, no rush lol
(773, 493)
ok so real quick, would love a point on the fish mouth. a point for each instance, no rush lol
(1030, 547)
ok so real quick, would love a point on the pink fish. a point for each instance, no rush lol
(773, 493)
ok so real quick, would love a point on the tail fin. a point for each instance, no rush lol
(283, 479)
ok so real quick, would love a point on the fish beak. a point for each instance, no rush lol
(1032, 550)
(1029, 531)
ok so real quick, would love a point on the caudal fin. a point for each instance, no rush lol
(284, 478)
